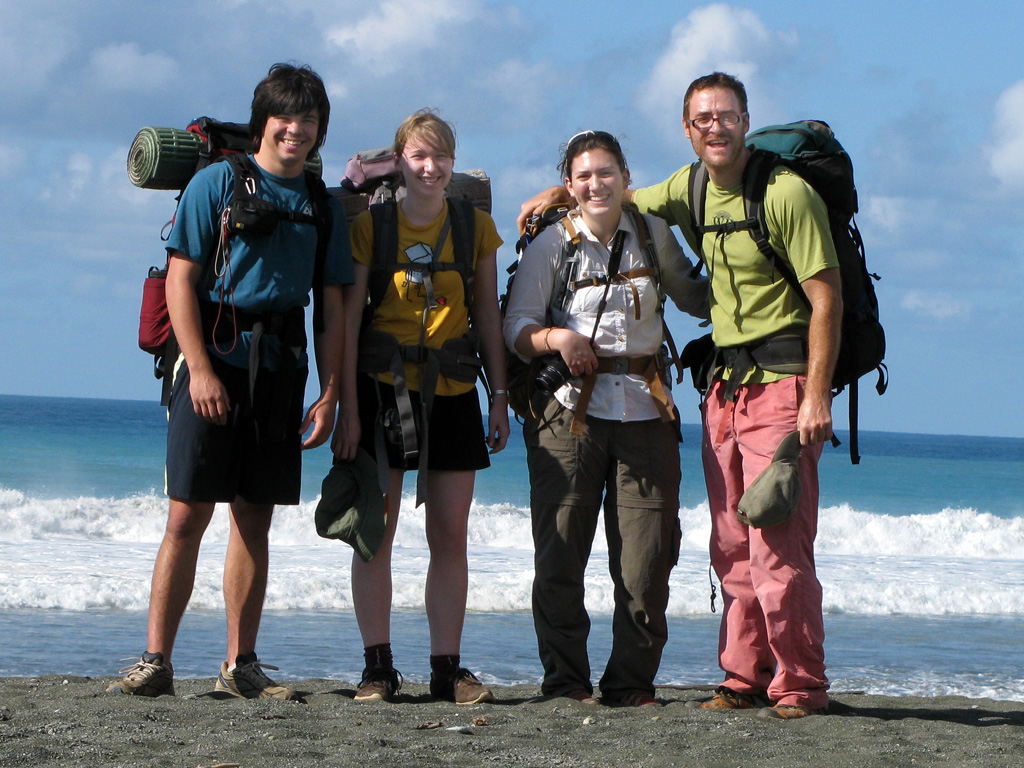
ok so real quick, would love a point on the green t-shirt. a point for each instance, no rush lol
(749, 300)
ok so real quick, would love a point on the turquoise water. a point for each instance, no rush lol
(920, 553)
(58, 447)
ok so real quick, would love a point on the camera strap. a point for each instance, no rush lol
(579, 417)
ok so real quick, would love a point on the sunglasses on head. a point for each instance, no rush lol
(603, 135)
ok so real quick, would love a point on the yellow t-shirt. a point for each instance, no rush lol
(401, 311)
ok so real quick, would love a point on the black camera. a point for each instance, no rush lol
(552, 375)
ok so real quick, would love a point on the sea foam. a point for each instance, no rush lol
(86, 553)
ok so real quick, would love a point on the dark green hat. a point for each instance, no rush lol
(773, 496)
(351, 506)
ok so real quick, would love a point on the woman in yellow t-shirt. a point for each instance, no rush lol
(423, 307)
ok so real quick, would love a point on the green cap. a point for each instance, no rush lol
(352, 507)
(773, 496)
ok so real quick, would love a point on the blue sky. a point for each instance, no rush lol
(928, 98)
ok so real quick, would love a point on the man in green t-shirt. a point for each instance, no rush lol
(771, 643)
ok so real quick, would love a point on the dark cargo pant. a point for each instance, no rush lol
(635, 466)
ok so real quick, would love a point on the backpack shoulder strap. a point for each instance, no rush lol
(755, 186)
(244, 176)
(385, 249)
(648, 247)
(697, 193)
(320, 201)
(463, 216)
(568, 266)
(650, 250)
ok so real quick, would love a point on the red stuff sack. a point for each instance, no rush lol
(154, 319)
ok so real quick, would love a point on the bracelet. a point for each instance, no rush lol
(496, 392)
(547, 346)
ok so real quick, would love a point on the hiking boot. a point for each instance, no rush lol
(379, 684)
(789, 712)
(726, 698)
(581, 695)
(149, 676)
(634, 698)
(247, 680)
(462, 687)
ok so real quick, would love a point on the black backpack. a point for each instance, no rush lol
(810, 149)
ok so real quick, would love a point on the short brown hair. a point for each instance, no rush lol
(426, 125)
(715, 80)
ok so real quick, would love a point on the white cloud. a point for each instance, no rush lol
(124, 67)
(716, 37)
(935, 305)
(1006, 158)
(400, 30)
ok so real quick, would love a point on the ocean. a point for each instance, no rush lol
(920, 554)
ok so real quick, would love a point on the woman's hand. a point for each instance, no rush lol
(575, 349)
(346, 436)
(497, 423)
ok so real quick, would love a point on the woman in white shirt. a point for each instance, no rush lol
(608, 432)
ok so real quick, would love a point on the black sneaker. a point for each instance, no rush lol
(379, 684)
(462, 687)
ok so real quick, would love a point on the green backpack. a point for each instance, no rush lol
(810, 149)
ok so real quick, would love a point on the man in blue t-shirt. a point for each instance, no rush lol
(235, 419)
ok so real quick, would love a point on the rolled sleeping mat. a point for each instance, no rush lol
(163, 158)
(166, 158)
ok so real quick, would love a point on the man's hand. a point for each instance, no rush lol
(814, 419)
(321, 417)
(209, 397)
(535, 205)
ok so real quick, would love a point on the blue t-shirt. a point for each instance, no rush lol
(263, 273)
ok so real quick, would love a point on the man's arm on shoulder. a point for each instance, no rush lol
(814, 419)
(535, 205)
(209, 397)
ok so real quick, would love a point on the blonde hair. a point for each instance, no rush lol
(427, 126)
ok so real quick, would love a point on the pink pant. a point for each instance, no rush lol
(772, 634)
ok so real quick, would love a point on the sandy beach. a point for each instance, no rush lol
(70, 721)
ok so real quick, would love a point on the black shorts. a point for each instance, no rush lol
(212, 463)
(455, 433)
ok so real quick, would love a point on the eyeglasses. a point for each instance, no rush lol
(727, 120)
(603, 135)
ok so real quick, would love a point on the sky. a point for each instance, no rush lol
(927, 97)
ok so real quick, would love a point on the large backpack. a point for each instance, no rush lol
(380, 352)
(168, 158)
(810, 149)
(520, 375)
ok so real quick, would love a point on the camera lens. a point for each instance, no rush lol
(552, 376)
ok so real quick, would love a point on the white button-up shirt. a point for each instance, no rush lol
(618, 397)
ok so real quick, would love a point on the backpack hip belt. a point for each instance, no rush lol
(289, 326)
(786, 354)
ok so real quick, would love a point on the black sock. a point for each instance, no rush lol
(444, 665)
(378, 656)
